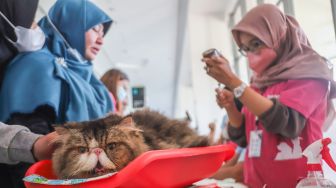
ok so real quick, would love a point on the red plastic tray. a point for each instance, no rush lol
(159, 168)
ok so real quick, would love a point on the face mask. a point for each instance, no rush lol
(27, 39)
(121, 93)
(259, 62)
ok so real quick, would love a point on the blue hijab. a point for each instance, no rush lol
(53, 76)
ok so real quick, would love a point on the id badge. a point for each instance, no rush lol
(255, 144)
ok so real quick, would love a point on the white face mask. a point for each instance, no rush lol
(122, 94)
(27, 39)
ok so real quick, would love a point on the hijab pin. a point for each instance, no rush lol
(62, 62)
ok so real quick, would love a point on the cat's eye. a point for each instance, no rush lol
(82, 149)
(111, 145)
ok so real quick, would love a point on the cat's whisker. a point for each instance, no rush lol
(116, 164)
(77, 170)
(84, 164)
(105, 161)
(74, 173)
(88, 173)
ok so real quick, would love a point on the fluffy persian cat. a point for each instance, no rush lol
(94, 148)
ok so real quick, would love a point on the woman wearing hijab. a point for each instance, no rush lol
(16, 142)
(56, 84)
(287, 101)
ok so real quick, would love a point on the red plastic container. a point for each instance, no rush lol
(159, 168)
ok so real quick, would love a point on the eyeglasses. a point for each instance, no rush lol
(254, 46)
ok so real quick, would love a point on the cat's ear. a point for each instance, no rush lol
(67, 128)
(128, 124)
(70, 127)
(61, 129)
(111, 120)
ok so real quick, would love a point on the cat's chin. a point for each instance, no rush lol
(93, 173)
(100, 171)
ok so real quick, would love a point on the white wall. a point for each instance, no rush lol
(204, 30)
(142, 43)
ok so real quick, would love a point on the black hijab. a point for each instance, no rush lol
(20, 13)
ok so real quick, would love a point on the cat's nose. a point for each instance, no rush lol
(97, 151)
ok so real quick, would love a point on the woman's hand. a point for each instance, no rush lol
(225, 99)
(44, 146)
(219, 68)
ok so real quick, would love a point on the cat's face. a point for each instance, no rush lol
(98, 147)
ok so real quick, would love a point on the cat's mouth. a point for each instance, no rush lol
(99, 169)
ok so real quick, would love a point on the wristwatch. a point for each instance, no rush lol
(238, 91)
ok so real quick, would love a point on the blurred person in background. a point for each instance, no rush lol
(117, 82)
